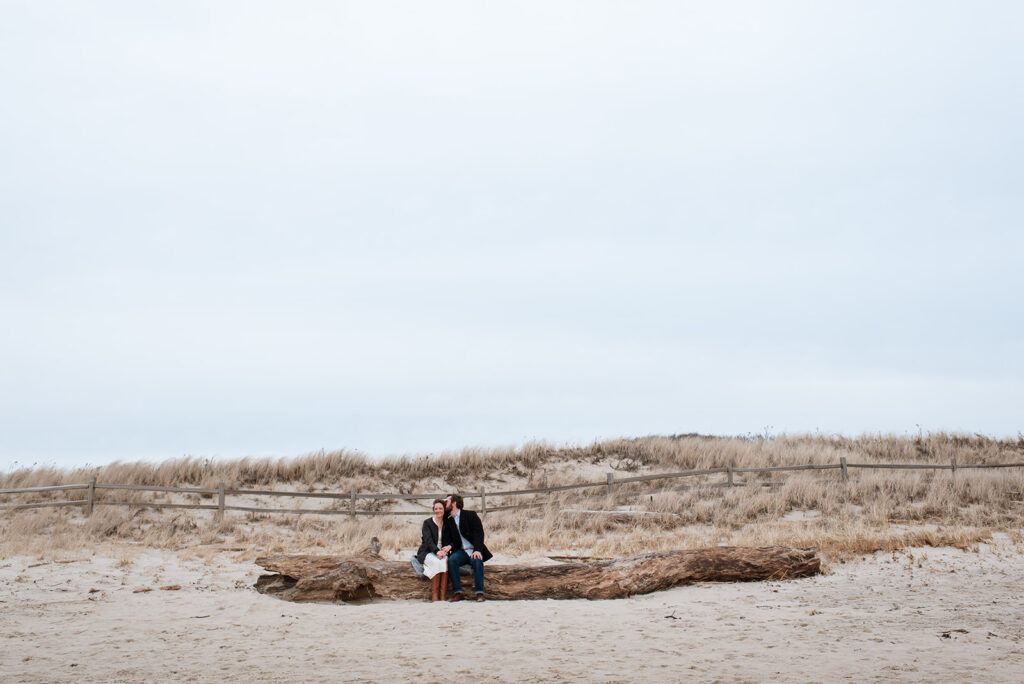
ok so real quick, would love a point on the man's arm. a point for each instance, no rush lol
(476, 529)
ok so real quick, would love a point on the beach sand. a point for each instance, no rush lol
(923, 614)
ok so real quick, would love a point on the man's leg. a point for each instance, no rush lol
(478, 575)
(454, 561)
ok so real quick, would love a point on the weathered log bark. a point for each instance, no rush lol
(353, 578)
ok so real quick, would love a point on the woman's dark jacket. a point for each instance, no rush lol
(449, 537)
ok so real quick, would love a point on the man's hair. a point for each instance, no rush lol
(457, 500)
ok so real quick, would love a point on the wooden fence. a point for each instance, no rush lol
(609, 485)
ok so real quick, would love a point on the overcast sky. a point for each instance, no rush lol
(248, 228)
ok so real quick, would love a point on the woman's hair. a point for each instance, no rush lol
(436, 501)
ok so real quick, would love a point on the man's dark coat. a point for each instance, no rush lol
(473, 530)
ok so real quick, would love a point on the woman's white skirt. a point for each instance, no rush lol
(433, 565)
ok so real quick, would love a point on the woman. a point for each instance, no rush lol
(439, 539)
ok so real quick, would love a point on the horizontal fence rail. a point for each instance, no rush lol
(158, 504)
(353, 495)
(666, 476)
(53, 488)
(780, 469)
(46, 504)
(152, 488)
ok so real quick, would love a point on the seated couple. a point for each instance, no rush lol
(452, 538)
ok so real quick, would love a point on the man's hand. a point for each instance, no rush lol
(476, 555)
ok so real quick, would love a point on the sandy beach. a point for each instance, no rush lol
(924, 614)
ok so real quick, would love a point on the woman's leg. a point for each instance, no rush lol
(444, 584)
(434, 587)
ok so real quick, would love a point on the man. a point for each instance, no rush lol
(473, 552)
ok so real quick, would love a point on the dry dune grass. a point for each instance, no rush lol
(536, 459)
(875, 510)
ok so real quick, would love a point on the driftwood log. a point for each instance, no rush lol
(367, 576)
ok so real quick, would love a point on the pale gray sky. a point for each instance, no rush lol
(244, 228)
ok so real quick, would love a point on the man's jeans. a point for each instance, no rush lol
(458, 558)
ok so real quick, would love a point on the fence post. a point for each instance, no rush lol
(846, 473)
(483, 502)
(220, 501)
(611, 482)
(92, 497)
(728, 472)
(952, 464)
(352, 504)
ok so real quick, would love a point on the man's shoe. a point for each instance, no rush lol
(480, 597)
(457, 597)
